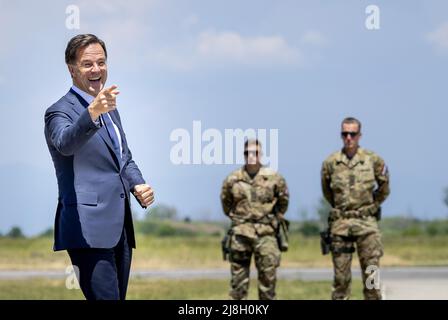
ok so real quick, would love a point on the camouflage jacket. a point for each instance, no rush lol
(355, 184)
(252, 204)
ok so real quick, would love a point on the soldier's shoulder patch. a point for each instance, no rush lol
(385, 170)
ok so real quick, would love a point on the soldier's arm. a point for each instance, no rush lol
(226, 196)
(382, 179)
(282, 197)
(325, 182)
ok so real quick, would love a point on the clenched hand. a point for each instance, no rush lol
(144, 194)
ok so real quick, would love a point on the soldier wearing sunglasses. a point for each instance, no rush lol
(355, 182)
(255, 198)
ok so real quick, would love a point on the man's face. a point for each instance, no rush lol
(89, 72)
(350, 135)
(252, 154)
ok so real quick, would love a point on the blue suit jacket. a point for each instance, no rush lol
(94, 183)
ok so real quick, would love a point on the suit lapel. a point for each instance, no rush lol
(105, 135)
(118, 124)
(79, 105)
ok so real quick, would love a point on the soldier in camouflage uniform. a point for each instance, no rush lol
(355, 182)
(254, 197)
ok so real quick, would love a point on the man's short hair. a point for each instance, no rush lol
(351, 120)
(78, 42)
(252, 141)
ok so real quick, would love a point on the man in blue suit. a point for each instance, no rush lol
(95, 174)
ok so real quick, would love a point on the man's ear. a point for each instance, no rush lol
(71, 70)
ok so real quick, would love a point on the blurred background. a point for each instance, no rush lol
(296, 66)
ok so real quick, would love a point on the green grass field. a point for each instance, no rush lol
(199, 252)
(148, 289)
(162, 253)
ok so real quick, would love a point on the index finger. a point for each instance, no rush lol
(110, 89)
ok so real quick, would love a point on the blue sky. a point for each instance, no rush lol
(295, 66)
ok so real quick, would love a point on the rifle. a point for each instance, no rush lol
(225, 245)
(325, 241)
(282, 234)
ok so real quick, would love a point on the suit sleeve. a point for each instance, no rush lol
(325, 183)
(133, 173)
(382, 179)
(67, 135)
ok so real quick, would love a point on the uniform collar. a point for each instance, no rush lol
(359, 157)
(245, 175)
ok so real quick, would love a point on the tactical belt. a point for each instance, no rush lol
(342, 250)
(362, 213)
(264, 220)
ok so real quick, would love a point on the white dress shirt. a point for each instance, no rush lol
(88, 98)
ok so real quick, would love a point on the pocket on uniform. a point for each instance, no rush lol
(239, 243)
(337, 183)
(366, 176)
(86, 198)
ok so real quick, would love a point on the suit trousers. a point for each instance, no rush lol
(103, 274)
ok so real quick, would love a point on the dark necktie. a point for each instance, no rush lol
(112, 134)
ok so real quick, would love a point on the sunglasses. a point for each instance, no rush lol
(352, 134)
(253, 153)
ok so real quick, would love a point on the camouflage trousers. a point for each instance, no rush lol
(267, 258)
(370, 249)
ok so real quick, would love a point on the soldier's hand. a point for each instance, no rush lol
(104, 102)
(144, 194)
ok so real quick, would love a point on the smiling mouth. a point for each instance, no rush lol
(95, 80)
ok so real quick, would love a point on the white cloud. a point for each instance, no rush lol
(258, 50)
(209, 49)
(315, 38)
(439, 38)
(213, 49)
(116, 20)
(122, 33)
(130, 35)
(123, 27)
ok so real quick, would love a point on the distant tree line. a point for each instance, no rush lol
(163, 220)
(15, 232)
